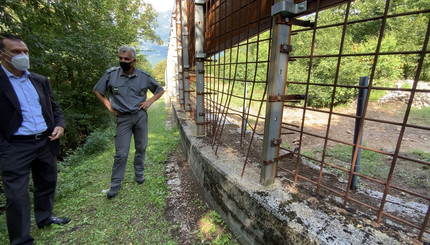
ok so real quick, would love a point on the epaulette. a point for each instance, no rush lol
(112, 69)
(146, 73)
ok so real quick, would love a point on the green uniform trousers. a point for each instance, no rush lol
(128, 124)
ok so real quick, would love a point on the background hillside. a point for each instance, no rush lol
(156, 53)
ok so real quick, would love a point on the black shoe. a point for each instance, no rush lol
(113, 190)
(53, 220)
(140, 178)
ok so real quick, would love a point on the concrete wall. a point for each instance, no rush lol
(264, 215)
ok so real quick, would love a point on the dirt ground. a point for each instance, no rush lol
(379, 136)
(185, 205)
(383, 137)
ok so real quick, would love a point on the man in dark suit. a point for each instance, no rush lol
(30, 129)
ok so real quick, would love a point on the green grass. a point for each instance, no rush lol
(421, 155)
(406, 86)
(419, 116)
(135, 216)
(212, 230)
(371, 163)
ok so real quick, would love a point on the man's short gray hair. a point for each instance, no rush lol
(125, 49)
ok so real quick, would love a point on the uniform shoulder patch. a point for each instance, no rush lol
(112, 69)
(146, 73)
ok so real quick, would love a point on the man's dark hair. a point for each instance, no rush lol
(8, 36)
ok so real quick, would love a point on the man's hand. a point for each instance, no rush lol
(145, 105)
(57, 133)
(106, 102)
(114, 112)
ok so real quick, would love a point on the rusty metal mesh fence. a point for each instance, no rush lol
(371, 153)
(331, 143)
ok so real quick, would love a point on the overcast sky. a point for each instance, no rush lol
(162, 5)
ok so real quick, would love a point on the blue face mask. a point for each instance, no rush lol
(20, 62)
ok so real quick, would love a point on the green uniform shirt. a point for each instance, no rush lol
(126, 92)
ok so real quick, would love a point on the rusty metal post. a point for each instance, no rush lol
(244, 118)
(176, 56)
(171, 76)
(276, 86)
(185, 61)
(200, 56)
(180, 52)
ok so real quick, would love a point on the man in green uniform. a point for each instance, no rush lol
(127, 87)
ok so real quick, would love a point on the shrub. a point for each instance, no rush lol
(96, 142)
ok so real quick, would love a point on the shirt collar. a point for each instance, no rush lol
(10, 75)
(134, 74)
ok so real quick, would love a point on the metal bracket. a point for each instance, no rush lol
(303, 23)
(200, 55)
(277, 159)
(268, 162)
(276, 142)
(202, 114)
(281, 21)
(286, 48)
(201, 71)
(288, 97)
(199, 1)
(288, 8)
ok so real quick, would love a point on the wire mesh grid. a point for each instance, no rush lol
(386, 158)
(371, 161)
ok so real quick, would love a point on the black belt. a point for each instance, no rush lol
(38, 136)
(130, 112)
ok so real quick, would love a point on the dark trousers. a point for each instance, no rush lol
(21, 158)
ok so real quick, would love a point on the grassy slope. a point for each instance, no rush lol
(135, 216)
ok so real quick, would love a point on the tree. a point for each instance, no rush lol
(404, 33)
(158, 72)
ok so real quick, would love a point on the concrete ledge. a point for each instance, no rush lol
(264, 215)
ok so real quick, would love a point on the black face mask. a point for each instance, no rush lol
(125, 66)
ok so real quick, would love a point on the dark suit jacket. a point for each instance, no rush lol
(11, 115)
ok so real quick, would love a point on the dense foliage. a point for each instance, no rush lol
(158, 72)
(403, 33)
(73, 42)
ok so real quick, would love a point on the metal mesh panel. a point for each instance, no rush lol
(382, 193)
(229, 22)
(236, 90)
(321, 150)
(191, 33)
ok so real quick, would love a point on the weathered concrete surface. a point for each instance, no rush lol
(264, 215)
